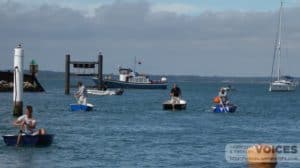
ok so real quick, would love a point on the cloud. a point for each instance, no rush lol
(211, 43)
(177, 8)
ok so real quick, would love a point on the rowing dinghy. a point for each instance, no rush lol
(224, 109)
(171, 105)
(81, 107)
(28, 140)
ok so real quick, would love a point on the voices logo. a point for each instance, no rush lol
(263, 153)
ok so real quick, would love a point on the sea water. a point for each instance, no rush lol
(132, 130)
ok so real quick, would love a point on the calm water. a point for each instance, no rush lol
(133, 131)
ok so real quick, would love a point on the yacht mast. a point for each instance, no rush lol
(279, 41)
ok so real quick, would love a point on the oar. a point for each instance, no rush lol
(20, 135)
(173, 103)
(224, 109)
(76, 98)
(19, 138)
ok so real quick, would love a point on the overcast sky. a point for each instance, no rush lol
(192, 37)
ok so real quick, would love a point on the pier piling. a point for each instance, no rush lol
(100, 71)
(67, 75)
(83, 69)
(18, 81)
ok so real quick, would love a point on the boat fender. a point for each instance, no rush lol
(217, 100)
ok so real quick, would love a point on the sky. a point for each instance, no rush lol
(191, 37)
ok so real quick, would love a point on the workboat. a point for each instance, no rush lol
(224, 109)
(28, 140)
(105, 92)
(81, 107)
(129, 79)
(170, 105)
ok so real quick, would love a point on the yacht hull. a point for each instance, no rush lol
(282, 87)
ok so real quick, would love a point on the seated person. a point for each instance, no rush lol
(175, 94)
(28, 123)
(223, 97)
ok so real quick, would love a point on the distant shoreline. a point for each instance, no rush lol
(183, 75)
(171, 75)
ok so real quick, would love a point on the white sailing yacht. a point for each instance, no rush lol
(279, 82)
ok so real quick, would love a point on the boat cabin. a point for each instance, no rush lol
(124, 74)
(139, 79)
(127, 75)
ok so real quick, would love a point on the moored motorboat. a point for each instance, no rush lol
(129, 79)
(81, 107)
(28, 140)
(171, 105)
(224, 109)
(105, 92)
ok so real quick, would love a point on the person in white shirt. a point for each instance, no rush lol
(81, 94)
(223, 96)
(28, 124)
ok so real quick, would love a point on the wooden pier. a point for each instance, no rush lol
(89, 69)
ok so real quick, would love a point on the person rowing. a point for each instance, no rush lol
(28, 124)
(175, 94)
(81, 94)
(222, 102)
(223, 96)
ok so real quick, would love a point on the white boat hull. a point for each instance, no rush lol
(104, 92)
(282, 86)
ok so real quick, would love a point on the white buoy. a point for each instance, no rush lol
(18, 81)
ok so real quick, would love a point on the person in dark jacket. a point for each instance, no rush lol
(175, 94)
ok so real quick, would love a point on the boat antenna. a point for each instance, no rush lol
(134, 66)
(279, 40)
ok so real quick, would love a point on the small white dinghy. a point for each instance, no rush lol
(170, 105)
(105, 92)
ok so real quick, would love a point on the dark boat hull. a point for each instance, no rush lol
(225, 109)
(174, 107)
(169, 105)
(29, 140)
(129, 85)
(8, 77)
